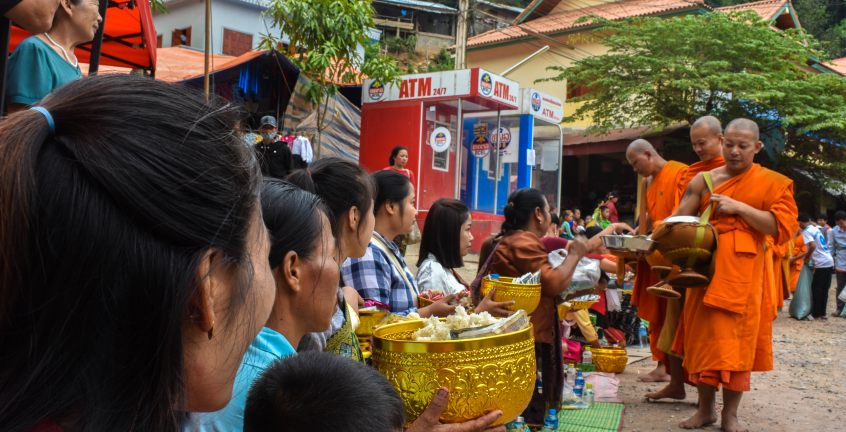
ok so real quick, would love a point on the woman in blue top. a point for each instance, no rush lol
(302, 258)
(45, 62)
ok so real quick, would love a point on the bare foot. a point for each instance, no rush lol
(650, 377)
(699, 420)
(730, 423)
(668, 392)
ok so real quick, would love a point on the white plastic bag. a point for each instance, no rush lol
(585, 276)
(612, 300)
(842, 296)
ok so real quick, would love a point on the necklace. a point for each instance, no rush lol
(74, 62)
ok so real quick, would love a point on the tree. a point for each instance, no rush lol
(660, 71)
(324, 41)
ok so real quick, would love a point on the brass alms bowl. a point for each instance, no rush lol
(368, 320)
(525, 296)
(610, 359)
(482, 374)
(689, 245)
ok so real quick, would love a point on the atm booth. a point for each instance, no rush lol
(447, 121)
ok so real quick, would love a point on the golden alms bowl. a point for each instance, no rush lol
(368, 320)
(525, 296)
(482, 374)
(610, 359)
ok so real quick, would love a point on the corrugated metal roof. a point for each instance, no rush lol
(514, 9)
(567, 20)
(421, 5)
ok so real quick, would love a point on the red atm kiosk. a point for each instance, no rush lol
(425, 113)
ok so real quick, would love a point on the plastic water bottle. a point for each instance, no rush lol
(587, 356)
(571, 375)
(588, 397)
(518, 425)
(578, 389)
(551, 420)
(643, 336)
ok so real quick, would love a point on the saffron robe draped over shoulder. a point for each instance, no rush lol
(696, 168)
(661, 202)
(728, 326)
(677, 344)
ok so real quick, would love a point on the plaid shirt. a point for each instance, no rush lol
(375, 278)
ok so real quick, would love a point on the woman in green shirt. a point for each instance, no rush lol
(45, 62)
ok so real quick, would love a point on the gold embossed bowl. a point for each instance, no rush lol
(525, 296)
(610, 359)
(482, 374)
(368, 320)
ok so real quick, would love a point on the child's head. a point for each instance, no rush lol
(319, 391)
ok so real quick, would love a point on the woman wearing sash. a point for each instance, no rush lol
(518, 249)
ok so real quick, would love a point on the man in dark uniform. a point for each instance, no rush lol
(273, 154)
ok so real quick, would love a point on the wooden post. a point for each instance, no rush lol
(207, 51)
(461, 35)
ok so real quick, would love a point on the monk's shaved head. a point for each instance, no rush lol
(640, 146)
(643, 158)
(709, 123)
(744, 125)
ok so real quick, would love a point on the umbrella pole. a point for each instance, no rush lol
(207, 50)
(97, 45)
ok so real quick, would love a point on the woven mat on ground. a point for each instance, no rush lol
(600, 417)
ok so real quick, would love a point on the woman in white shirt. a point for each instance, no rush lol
(446, 240)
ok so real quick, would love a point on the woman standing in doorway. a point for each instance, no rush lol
(398, 161)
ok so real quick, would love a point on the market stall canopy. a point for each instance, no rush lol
(129, 37)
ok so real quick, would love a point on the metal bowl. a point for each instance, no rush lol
(525, 296)
(482, 374)
(627, 243)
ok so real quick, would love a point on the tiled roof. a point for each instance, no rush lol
(766, 9)
(567, 20)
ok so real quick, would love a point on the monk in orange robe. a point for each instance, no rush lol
(661, 176)
(706, 138)
(728, 327)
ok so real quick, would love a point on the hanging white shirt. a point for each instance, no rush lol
(302, 147)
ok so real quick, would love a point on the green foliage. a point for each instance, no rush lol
(441, 61)
(660, 71)
(158, 6)
(402, 44)
(324, 39)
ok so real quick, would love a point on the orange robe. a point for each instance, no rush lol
(796, 267)
(728, 326)
(661, 201)
(696, 168)
(676, 310)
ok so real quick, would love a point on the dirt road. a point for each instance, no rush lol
(805, 392)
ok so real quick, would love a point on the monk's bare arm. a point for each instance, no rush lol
(689, 205)
(762, 221)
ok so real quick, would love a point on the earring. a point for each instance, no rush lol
(211, 331)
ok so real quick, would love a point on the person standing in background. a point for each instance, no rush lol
(820, 257)
(44, 62)
(398, 161)
(611, 203)
(273, 154)
(837, 240)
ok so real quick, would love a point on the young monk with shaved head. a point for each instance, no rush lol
(727, 327)
(660, 200)
(706, 138)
